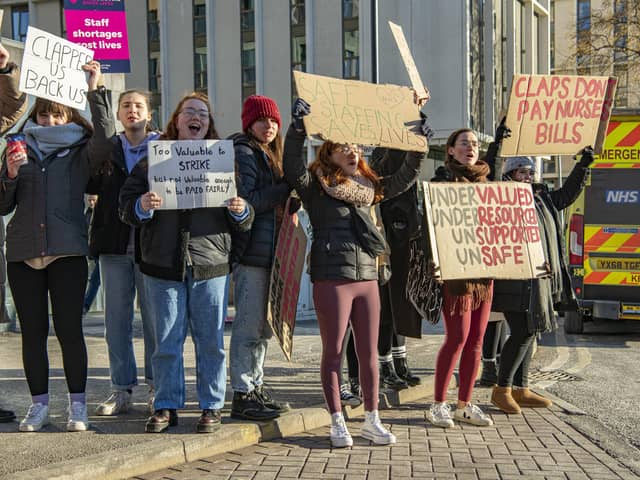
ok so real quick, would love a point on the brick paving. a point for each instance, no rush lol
(535, 445)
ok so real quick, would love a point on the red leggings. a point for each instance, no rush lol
(464, 333)
(336, 301)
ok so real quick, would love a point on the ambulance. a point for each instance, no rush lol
(603, 230)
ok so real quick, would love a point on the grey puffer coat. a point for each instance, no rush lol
(336, 253)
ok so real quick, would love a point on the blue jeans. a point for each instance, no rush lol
(121, 278)
(177, 306)
(250, 330)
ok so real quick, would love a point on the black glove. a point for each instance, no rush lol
(294, 205)
(443, 174)
(299, 110)
(425, 127)
(586, 156)
(502, 131)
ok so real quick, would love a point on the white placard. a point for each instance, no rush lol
(52, 69)
(192, 173)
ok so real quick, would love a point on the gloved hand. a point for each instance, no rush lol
(299, 110)
(502, 131)
(425, 127)
(586, 156)
(443, 174)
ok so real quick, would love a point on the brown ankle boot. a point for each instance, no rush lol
(501, 398)
(526, 398)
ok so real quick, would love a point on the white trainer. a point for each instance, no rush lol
(78, 418)
(348, 398)
(440, 415)
(118, 402)
(339, 435)
(374, 430)
(36, 418)
(473, 415)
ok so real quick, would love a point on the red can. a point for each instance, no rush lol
(16, 143)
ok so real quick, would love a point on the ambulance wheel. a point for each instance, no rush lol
(573, 322)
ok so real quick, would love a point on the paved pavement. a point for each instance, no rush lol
(536, 445)
(118, 448)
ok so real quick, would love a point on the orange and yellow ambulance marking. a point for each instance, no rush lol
(611, 269)
(621, 147)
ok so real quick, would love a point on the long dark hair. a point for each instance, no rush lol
(43, 105)
(171, 132)
(451, 141)
(273, 150)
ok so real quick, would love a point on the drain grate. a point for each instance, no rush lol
(554, 375)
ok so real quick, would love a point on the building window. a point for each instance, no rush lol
(248, 47)
(350, 39)
(19, 22)
(298, 39)
(155, 68)
(552, 36)
(199, 46)
(583, 34)
(476, 65)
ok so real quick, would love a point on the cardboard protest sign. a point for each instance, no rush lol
(1, 15)
(192, 173)
(409, 62)
(351, 111)
(556, 114)
(101, 26)
(484, 230)
(284, 286)
(52, 69)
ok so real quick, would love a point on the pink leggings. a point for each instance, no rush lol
(336, 301)
(464, 333)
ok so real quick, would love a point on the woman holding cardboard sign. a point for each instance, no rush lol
(338, 190)
(43, 181)
(467, 303)
(528, 305)
(184, 256)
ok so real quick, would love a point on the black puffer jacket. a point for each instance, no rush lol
(515, 295)
(173, 240)
(336, 253)
(257, 184)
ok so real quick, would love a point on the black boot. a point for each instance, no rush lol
(404, 372)
(389, 378)
(247, 406)
(268, 401)
(489, 376)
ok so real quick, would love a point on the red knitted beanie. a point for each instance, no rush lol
(256, 107)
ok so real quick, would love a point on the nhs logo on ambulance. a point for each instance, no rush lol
(623, 196)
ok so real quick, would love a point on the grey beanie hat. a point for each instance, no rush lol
(513, 163)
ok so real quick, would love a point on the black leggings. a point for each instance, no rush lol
(64, 280)
(387, 337)
(494, 338)
(516, 352)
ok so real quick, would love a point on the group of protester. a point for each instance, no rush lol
(178, 261)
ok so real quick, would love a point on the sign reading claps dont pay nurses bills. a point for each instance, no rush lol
(192, 173)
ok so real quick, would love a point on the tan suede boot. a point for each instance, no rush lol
(526, 398)
(501, 398)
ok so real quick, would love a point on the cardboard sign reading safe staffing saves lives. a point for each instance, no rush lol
(192, 173)
(557, 114)
(484, 230)
(351, 111)
(52, 69)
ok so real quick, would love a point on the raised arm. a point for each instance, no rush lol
(13, 103)
(573, 185)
